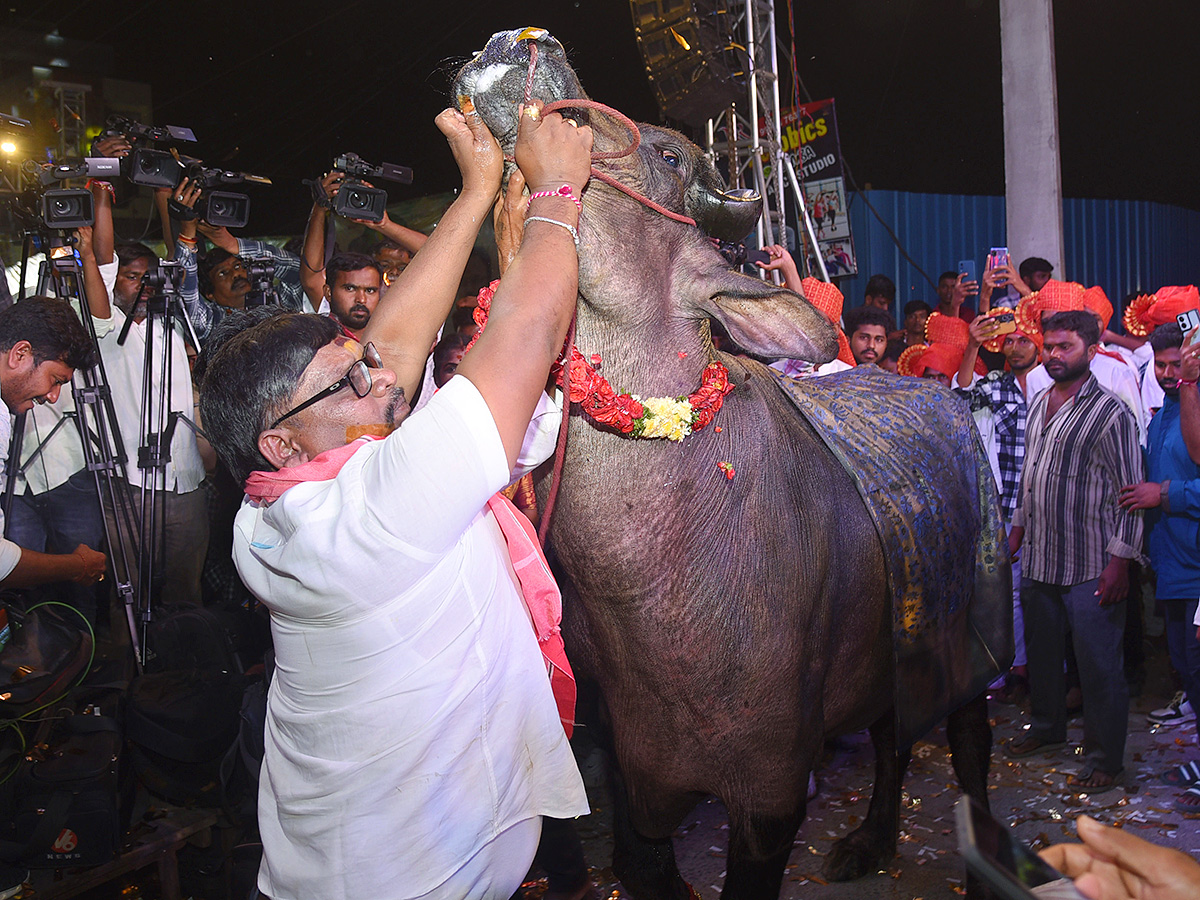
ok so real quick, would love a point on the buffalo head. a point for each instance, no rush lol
(635, 263)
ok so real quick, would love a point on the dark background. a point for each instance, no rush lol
(280, 89)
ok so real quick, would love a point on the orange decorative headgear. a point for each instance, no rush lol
(1097, 302)
(947, 338)
(1059, 296)
(1149, 311)
(907, 363)
(829, 300)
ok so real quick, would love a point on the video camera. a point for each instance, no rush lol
(220, 208)
(358, 200)
(63, 208)
(145, 165)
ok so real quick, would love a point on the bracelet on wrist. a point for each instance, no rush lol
(571, 228)
(566, 192)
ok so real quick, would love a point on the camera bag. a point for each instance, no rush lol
(64, 802)
(180, 725)
(44, 655)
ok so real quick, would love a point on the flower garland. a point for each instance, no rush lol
(673, 418)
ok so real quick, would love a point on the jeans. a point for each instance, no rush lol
(1183, 646)
(58, 521)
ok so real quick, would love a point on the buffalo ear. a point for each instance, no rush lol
(771, 322)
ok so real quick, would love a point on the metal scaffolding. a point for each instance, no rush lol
(72, 117)
(754, 132)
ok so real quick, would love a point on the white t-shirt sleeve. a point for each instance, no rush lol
(540, 438)
(435, 473)
(10, 555)
(108, 274)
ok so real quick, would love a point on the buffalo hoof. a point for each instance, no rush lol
(857, 854)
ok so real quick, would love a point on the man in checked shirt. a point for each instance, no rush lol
(1081, 449)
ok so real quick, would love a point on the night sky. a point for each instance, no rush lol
(917, 83)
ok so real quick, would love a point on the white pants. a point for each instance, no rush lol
(497, 870)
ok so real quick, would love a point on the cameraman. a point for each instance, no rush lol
(184, 514)
(213, 283)
(286, 265)
(312, 269)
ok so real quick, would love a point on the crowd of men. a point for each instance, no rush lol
(1093, 437)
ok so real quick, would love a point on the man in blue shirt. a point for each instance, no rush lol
(1171, 498)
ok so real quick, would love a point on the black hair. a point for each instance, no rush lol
(348, 262)
(462, 316)
(206, 263)
(895, 347)
(1168, 336)
(234, 322)
(1081, 321)
(132, 251)
(867, 315)
(1031, 265)
(251, 379)
(913, 306)
(389, 244)
(450, 342)
(881, 286)
(53, 330)
(953, 276)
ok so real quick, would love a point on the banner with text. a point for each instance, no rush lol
(810, 137)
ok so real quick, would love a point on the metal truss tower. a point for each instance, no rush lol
(753, 145)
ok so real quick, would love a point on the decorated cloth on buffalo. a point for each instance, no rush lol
(912, 450)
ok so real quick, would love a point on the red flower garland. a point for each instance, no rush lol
(596, 396)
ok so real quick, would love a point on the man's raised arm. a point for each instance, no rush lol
(406, 322)
(536, 298)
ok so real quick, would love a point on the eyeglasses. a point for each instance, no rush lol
(358, 377)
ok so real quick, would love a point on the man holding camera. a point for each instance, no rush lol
(313, 276)
(180, 524)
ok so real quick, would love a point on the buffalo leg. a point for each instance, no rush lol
(871, 846)
(645, 867)
(758, 855)
(969, 734)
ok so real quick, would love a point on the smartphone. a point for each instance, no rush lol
(1006, 322)
(1004, 864)
(966, 268)
(1188, 323)
(998, 256)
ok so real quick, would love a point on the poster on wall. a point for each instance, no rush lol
(810, 137)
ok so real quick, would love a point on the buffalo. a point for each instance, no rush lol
(730, 594)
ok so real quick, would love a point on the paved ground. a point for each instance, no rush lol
(1029, 794)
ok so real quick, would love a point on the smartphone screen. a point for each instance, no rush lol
(1007, 866)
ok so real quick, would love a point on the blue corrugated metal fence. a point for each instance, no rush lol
(1121, 245)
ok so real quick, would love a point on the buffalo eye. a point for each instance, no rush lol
(671, 158)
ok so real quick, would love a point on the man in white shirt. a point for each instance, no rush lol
(413, 742)
(42, 342)
(179, 524)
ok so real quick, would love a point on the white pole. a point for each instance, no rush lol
(1032, 171)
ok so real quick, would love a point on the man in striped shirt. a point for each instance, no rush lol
(1081, 449)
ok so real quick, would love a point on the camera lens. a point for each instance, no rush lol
(360, 201)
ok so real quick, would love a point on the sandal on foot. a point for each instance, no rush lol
(1030, 746)
(1182, 776)
(1084, 781)
(1189, 801)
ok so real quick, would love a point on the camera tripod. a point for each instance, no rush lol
(134, 534)
(96, 422)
